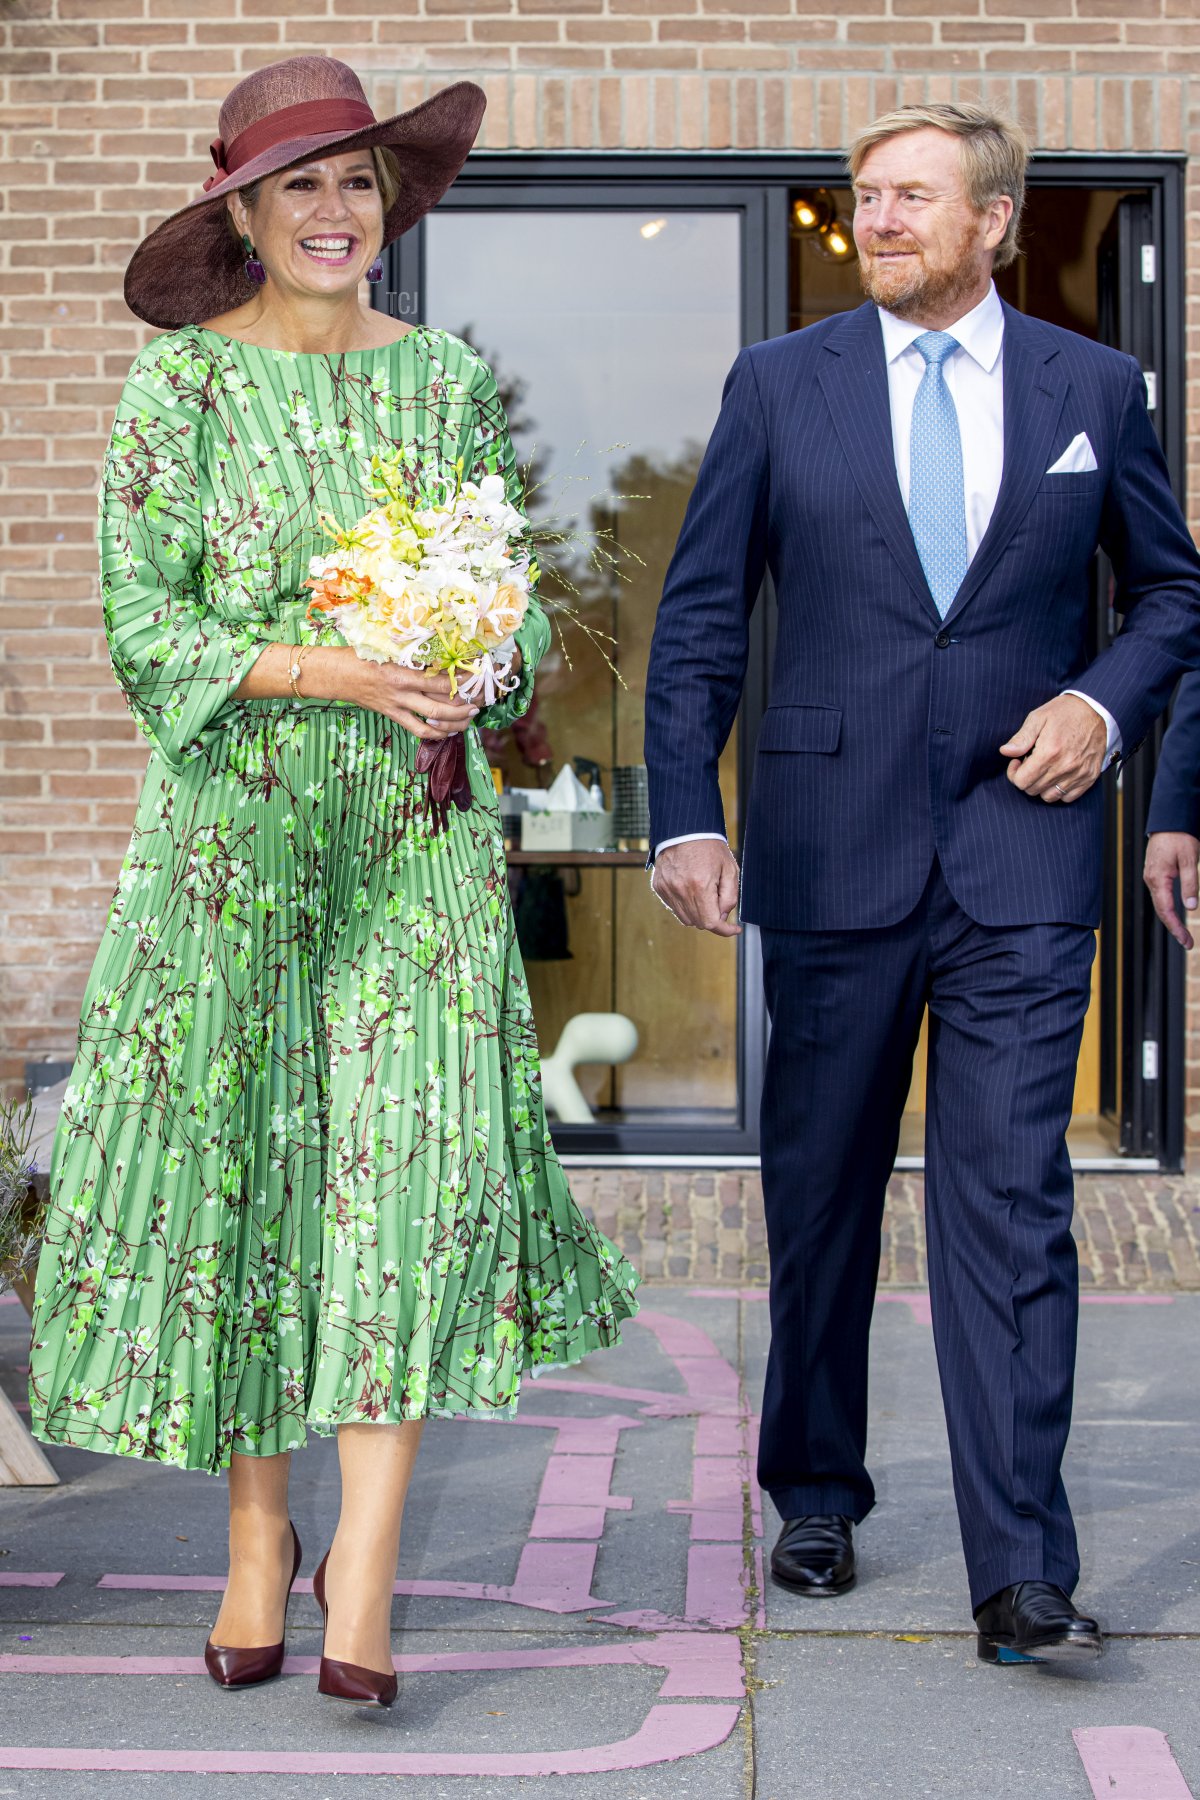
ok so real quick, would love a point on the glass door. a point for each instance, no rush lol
(610, 330)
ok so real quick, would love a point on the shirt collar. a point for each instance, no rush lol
(980, 332)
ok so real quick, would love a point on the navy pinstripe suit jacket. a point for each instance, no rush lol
(1175, 799)
(880, 746)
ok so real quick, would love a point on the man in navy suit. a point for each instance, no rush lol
(1173, 849)
(926, 479)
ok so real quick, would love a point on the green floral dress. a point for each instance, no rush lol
(302, 1175)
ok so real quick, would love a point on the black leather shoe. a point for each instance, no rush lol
(815, 1556)
(1034, 1621)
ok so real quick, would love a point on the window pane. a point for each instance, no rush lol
(611, 334)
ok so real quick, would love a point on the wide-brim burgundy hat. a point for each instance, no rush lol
(191, 268)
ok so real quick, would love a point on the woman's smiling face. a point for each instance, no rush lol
(318, 227)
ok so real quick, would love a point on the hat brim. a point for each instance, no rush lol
(190, 267)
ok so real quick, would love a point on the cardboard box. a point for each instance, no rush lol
(566, 831)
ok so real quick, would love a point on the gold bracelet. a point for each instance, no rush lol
(294, 671)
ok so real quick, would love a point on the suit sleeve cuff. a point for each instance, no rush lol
(691, 837)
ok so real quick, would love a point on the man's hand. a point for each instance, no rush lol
(1172, 856)
(699, 882)
(1059, 751)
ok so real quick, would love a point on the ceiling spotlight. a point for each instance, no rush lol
(835, 242)
(652, 227)
(812, 212)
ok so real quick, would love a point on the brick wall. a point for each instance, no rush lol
(110, 106)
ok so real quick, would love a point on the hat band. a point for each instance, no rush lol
(310, 118)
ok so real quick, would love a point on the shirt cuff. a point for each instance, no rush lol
(1110, 725)
(691, 837)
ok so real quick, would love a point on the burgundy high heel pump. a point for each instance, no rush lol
(348, 1681)
(231, 1667)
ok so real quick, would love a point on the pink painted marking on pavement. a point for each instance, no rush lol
(576, 1481)
(679, 1338)
(556, 1578)
(716, 1503)
(710, 1380)
(574, 1496)
(575, 1521)
(1130, 1762)
(578, 1435)
(760, 1582)
(718, 1434)
(666, 1734)
(1127, 1299)
(730, 1293)
(172, 1584)
(716, 1585)
(39, 1578)
(550, 1577)
(10, 1300)
(697, 1664)
(109, 1665)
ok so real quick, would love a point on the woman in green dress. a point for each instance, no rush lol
(302, 1178)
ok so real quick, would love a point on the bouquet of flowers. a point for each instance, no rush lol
(436, 577)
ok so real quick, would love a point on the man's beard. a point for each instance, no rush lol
(915, 290)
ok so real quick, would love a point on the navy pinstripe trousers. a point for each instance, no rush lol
(1006, 1018)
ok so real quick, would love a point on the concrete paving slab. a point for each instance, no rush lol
(844, 1717)
(1133, 1471)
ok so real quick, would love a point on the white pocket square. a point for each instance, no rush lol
(1076, 459)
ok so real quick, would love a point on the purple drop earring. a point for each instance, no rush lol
(254, 269)
(375, 272)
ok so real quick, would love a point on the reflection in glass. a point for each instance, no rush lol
(610, 334)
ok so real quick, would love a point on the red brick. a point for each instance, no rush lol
(748, 58)
(654, 59)
(701, 31)
(801, 31)
(611, 31)
(547, 56)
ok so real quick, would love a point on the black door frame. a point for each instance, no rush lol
(758, 184)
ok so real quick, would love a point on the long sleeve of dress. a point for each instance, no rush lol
(486, 448)
(177, 660)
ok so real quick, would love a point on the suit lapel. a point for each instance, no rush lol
(853, 377)
(1035, 391)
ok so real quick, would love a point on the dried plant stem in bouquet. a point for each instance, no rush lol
(594, 554)
(20, 1210)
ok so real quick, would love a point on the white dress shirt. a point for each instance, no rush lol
(975, 378)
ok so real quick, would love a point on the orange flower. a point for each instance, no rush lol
(334, 588)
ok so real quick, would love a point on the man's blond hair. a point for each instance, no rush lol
(994, 151)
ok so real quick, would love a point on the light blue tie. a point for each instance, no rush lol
(937, 508)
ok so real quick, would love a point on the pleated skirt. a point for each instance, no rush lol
(302, 1175)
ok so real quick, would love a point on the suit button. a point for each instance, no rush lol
(942, 640)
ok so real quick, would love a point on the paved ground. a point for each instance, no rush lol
(1134, 1231)
(581, 1611)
